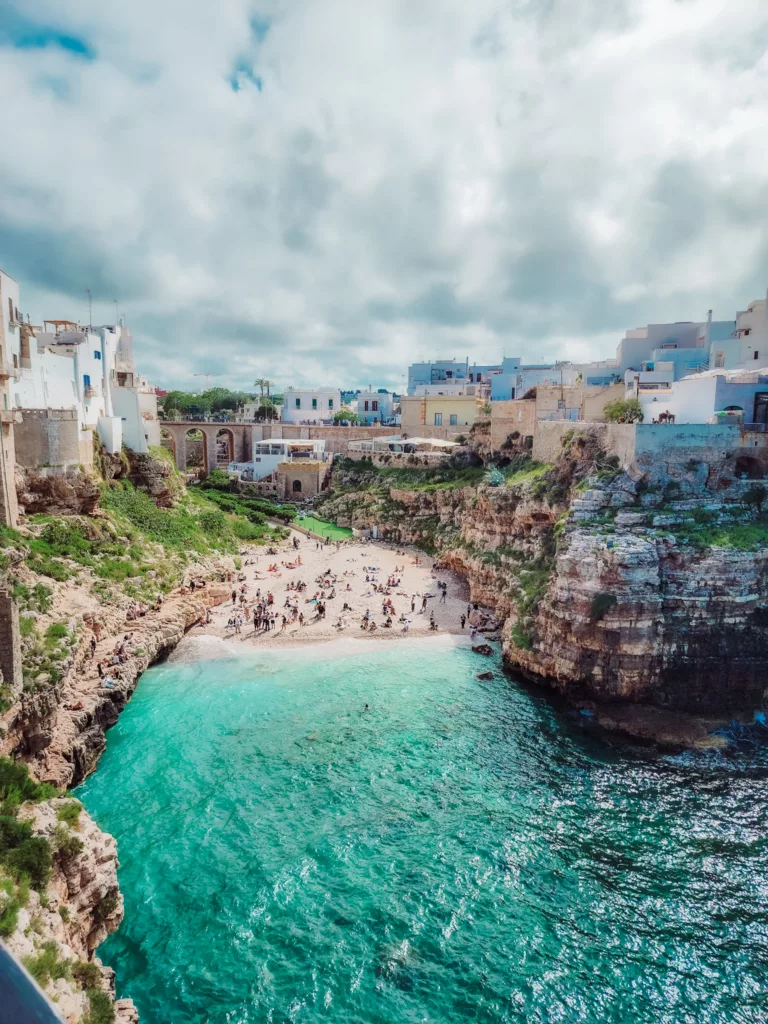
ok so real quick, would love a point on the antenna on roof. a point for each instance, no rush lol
(90, 308)
(117, 315)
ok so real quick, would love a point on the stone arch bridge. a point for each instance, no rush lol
(236, 436)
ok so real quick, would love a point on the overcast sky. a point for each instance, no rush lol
(321, 191)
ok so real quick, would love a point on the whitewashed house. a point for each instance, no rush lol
(375, 407)
(318, 405)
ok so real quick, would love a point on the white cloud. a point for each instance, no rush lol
(388, 180)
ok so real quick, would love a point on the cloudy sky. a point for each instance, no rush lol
(321, 191)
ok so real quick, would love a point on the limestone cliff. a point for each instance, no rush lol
(643, 588)
(60, 730)
(59, 926)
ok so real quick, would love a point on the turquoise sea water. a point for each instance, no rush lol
(461, 852)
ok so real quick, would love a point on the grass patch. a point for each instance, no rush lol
(69, 813)
(701, 533)
(46, 966)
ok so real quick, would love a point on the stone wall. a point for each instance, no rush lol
(515, 416)
(10, 645)
(310, 475)
(48, 437)
(9, 509)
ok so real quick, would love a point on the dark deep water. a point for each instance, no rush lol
(462, 852)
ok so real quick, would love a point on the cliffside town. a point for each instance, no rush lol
(622, 565)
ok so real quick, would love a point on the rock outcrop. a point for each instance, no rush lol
(610, 587)
(60, 731)
(79, 907)
(73, 491)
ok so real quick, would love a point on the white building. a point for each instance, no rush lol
(714, 396)
(375, 406)
(310, 406)
(64, 366)
(747, 344)
(268, 455)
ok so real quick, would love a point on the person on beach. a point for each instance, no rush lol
(423, 604)
(463, 621)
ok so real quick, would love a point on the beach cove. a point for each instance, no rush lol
(459, 850)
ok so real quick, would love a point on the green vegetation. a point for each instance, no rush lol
(25, 859)
(69, 813)
(101, 1009)
(323, 529)
(624, 410)
(601, 605)
(522, 640)
(218, 488)
(86, 974)
(206, 521)
(525, 471)
(346, 415)
(214, 400)
(65, 843)
(755, 496)
(363, 475)
(742, 536)
(46, 966)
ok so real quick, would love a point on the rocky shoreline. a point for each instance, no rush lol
(60, 733)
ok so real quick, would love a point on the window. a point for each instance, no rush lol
(375, 406)
(719, 360)
(756, 353)
(453, 419)
(86, 380)
(747, 331)
(297, 486)
(314, 403)
(438, 419)
(298, 403)
(330, 403)
(96, 354)
(366, 405)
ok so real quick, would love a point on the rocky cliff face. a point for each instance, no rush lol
(72, 492)
(635, 613)
(59, 928)
(60, 731)
(648, 591)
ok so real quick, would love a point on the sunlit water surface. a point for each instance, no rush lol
(461, 852)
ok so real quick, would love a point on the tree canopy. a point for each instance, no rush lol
(624, 410)
(211, 401)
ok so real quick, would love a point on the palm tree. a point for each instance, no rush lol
(268, 384)
(262, 382)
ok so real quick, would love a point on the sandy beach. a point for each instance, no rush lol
(355, 571)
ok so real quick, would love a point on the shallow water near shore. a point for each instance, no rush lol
(462, 851)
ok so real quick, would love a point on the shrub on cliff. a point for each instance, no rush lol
(101, 1009)
(47, 966)
(623, 410)
(601, 605)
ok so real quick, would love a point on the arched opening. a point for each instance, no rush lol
(167, 440)
(734, 408)
(225, 447)
(197, 457)
(296, 488)
(748, 468)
